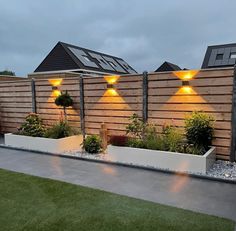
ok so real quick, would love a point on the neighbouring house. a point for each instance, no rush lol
(69, 58)
(220, 56)
(167, 66)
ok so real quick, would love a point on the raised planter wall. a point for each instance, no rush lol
(44, 144)
(162, 159)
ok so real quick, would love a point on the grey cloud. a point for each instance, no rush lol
(145, 33)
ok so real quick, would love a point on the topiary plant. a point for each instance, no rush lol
(64, 100)
(92, 144)
(33, 126)
(199, 128)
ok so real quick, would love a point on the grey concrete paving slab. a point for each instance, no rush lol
(211, 197)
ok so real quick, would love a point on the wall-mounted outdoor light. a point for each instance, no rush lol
(111, 81)
(55, 86)
(110, 86)
(185, 83)
(186, 76)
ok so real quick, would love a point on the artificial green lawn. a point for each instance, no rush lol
(31, 203)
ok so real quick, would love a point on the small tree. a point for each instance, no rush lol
(7, 72)
(64, 100)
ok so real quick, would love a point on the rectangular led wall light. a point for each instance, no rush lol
(110, 86)
(185, 83)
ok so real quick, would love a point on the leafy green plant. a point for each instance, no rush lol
(136, 127)
(60, 130)
(171, 138)
(92, 144)
(150, 137)
(191, 149)
(33, 126)
(199, 132)
(135, 143)
(64, 100)
(199, 128)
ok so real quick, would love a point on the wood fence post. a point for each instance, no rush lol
(82, 114)
(145, 96)
(34, 107)
(233, 121)
(104, 136)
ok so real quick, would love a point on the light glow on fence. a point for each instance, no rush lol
(55, 82)
(111, 92)
(111, 79)
(186, 75)
(56, 93)
(55, 86)
(186, 90)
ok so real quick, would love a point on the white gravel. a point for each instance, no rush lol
(221, 169)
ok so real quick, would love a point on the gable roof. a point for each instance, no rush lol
(167, 66)
(69, 57)
(223, 55)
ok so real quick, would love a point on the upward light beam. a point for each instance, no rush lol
(186, 75)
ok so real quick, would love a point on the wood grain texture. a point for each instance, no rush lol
(211, 92)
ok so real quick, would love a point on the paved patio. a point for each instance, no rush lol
(180, 191)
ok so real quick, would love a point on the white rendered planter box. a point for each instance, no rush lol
(44, 144)
(161, 159)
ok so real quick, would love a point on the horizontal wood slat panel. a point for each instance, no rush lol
(128, 92)
(201, 74)
(97, 80)
(226, 116)
(201, 91)
(191, 99)
(191, 107)
(167, 103)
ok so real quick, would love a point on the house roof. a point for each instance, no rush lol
(69, 57)
(167, 66)
(223, 55)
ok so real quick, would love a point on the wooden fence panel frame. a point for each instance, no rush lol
(150, 95)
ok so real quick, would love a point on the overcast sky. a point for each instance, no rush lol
(144, 33)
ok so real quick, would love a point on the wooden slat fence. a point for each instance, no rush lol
(167, 103)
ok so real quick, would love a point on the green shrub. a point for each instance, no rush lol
(92, 144)
(136, 127)
(135, 143)
(171, 139)
(199, 132)
(64, 100)
(199, 129)
(33, 126)
(60, 130)
(191, 149)
(150, 138)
